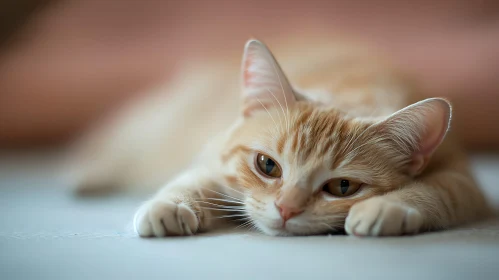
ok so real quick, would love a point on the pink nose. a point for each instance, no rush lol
(287, 212)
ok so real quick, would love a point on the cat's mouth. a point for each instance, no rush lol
(271, 223)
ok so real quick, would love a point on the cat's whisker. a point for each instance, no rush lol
(254, 228)
(284, 114)
(224, 200)
(221, 206)
(331, 220)
(230, 216)
(255, 200)
(350, 142)
(330, 227)
(235, 190)
(335, 219)
(354, 140)
(276, 126)
(222, 194)
(346, 157)
(251, 226)
(278, 114)
(241, 219)
(272, 135)
(282, 87)
(243, 225)
(221, 209)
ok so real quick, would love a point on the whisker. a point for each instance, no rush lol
(243, 225)
(254, 228)
(255, 200)
(224, 200)
(351, 143)
(230, 216)
(276, 127)
(272, 134)
(222, 209)
(222, 194)
(242, 219)
(282, 87)
(284, 114)
(328, 226)
(222, 206)
(358, 147)
(280, 119)
(234, 190)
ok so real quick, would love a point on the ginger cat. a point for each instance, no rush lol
(341, 142)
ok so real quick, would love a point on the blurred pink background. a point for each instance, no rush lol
(73, 61)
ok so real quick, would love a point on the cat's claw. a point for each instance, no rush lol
(159, 218)
(379, 216)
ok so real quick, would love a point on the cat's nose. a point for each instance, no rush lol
(288, 212)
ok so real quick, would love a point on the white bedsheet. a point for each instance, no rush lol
(46, 233)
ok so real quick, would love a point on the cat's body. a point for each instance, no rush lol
(339, 148)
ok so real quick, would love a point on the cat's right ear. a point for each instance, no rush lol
(419, 129)
(264, 84)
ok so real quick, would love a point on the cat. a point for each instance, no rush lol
(341, 143)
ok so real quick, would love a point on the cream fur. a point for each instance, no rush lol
(201, 137)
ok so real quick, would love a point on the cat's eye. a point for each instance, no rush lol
(341, 187)
(268, 166)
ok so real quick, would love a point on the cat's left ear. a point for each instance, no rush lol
(264, 84)
(419, 129)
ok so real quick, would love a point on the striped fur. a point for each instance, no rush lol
(352, 118)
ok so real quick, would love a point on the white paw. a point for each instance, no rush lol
(379, 216)
(161, 218)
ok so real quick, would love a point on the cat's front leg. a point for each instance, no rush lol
(437, 201)
(382, 216)
(177, 208)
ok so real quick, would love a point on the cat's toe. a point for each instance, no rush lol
(142, 225)
(165, 218)
(381, 217)
(413, 221)
(360, 221)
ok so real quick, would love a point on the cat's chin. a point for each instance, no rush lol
(291, 230)
(280, 231)
(272, 231)
(276, 232)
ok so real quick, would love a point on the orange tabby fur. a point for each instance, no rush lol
(340, 116)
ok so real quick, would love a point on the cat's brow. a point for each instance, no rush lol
(234, 151)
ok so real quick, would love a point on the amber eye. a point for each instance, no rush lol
(268, 166)
(341, 187)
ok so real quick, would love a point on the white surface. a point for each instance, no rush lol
(46, 233)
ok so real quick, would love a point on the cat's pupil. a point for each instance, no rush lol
(344, 185)
(269, 165)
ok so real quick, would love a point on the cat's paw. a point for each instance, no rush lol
(161, 218)
(379, 216)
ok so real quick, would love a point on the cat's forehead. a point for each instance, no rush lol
(308, 135)
(316, 133)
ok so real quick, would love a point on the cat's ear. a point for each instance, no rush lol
(419, 129)
(264, 84)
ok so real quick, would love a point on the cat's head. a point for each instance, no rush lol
(303, 164)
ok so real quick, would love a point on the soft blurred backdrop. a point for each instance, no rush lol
(66, 63)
